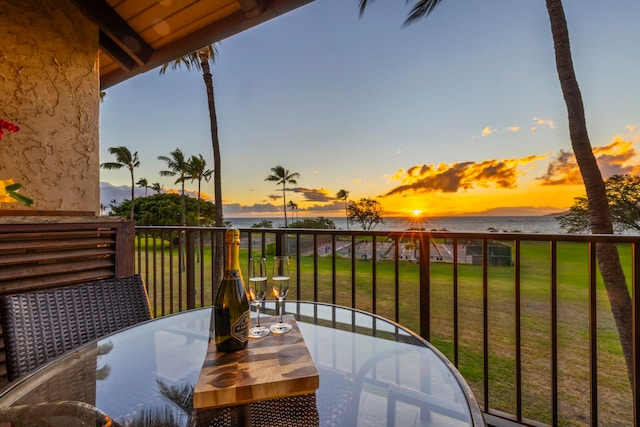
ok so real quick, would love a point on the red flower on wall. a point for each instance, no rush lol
(8, 126)
(8, 188)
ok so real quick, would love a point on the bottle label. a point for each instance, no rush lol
(240, 328)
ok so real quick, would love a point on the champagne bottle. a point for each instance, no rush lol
(231, 306)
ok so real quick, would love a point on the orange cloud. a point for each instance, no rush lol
(450, 178)
(487, 131)
(616, 158)
(562, 171)
(313, 194)
(205, 196)
(516, 128)
(546, 122)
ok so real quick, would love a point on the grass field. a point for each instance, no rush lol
(614, 395)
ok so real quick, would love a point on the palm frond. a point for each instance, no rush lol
(420, 9)
(123, 158)
(111, 165)
(197, 169)
(191, 60)
(180, 395)
(213, 52)
(363, 6)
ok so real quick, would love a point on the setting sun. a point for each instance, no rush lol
(416, 212)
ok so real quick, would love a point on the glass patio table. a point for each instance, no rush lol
(372, 372)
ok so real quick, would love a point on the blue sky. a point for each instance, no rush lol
(460, 112)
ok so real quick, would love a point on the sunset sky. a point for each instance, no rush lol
(459, 113)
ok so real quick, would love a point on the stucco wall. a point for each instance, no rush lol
(49, 83)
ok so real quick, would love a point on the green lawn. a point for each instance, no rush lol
(614, 396)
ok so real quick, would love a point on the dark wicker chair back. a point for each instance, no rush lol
(67, 413)
(41, 325)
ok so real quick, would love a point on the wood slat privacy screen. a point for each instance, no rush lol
(44, 255)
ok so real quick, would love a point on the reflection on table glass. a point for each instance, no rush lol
(371, 371)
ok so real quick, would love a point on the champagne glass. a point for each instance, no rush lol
(280, 289)
(257, 292)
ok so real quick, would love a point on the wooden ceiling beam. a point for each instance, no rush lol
(205, 36)
(113, 27)
(111, 48)
(253, 8)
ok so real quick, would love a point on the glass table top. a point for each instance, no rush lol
(389, 375)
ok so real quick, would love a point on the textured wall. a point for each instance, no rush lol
(49, 83)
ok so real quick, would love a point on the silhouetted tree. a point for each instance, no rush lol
(623, 192)
(124, 159)
(143, 183)
(178, 166)
(344, 195)
(367, 212)
(282, 176)
(197, 171)
(157, 187)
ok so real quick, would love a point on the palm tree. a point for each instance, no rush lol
(124, 158)
(344, 195)
(294, 208)
(283, 176)
(157, 187)
(200, 60)
(197, 171)
(143, 183)
(178, 166)
(599, 213)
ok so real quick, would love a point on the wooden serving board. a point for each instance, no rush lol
(274, 366)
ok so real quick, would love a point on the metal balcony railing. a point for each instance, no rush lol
(524, 317)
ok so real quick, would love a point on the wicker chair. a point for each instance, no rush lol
(56, 414)
(41, 325)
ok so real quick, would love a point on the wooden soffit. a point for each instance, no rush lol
(139, 35)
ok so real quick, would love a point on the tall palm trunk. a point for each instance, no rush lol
(346, 212)
(197, 239)
(132, 205)
(217, 175)
(198, 202)
(284, 203)
(599, 214)
(183, 207)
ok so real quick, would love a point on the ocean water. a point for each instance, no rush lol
(478, 224)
